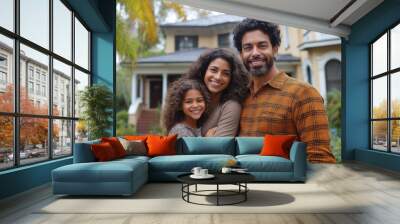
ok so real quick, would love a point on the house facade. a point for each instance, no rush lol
(310, 56)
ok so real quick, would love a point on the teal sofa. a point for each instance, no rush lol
(125, 176)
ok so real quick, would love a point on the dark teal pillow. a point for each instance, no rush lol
(207, 145)
(249, 145)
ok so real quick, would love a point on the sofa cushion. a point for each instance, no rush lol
(249, 145)
(112, 171)
(185, 163)
(206, 145)
(130, 158)
(257, 163)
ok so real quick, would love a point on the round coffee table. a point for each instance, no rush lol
(238, 179)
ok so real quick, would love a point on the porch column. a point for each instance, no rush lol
(164, 87)
(134, 88)
(141, 91)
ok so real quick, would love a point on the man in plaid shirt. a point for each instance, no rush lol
(279, 104)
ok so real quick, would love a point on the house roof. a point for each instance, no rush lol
(189, 56)
(206, 21)
(174, 57)
(325, 16)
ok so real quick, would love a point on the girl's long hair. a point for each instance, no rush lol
(173, 113)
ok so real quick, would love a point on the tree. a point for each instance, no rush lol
(141, 18)
(33, 131)
(379, 128)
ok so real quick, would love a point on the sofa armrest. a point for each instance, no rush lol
(83, 152)
(298, 155)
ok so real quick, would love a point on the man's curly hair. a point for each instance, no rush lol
(173, 113)
(238, 86)
(270, 29)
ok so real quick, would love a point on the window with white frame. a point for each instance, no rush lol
(3, 78)
(30, 87)
(3, 70)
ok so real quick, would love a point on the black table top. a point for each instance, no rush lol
(220, 178)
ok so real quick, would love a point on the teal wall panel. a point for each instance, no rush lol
(103, 65)
(380, 159)
(103, 54)
(24, 178)
(356, 101)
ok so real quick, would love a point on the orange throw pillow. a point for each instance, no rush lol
(116, 145)
(103, 152)
(135, 138)
(277, 145)
(161, 145)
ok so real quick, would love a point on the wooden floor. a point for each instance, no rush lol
(377, 188)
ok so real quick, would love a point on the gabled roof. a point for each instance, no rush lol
(206, 21)
(175, 57)
(189, 56)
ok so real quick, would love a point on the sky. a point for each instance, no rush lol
(380, 65)
(35, 27)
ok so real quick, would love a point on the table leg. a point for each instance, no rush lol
(245, 193)
(217, 194)
(196, 188)
(182, 190)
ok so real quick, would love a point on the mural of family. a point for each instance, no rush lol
(226, 93)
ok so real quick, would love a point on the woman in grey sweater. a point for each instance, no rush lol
(225, 77)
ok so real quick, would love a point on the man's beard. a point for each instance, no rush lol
(260, 71)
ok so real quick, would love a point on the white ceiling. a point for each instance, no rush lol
(317, 15)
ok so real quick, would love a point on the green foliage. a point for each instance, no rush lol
(336, 146)
(334, 109)
(123, 91)
(97, 104)
(123, 126)
(128, 46)
(138, 25)
(334, 106)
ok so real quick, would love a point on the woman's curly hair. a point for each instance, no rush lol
(271, 29)
(173, 112)
(238, 87)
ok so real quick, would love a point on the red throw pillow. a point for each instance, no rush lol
(161, 145)
(277, 145)
(103, 151)
(116, 145)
